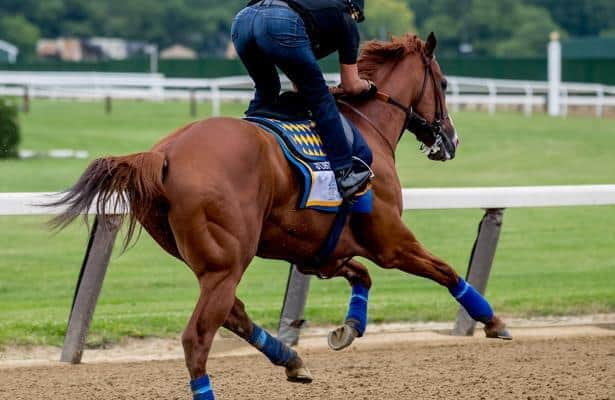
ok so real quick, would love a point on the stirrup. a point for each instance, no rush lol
(365, 166)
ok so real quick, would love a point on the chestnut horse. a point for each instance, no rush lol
(216, 193)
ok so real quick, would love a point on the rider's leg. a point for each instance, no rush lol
(260, 68)
(277, 352)
(284, 39)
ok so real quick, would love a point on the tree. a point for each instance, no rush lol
(580, 17)
(19, 31)
(386, 17)
(530, 37)
(503, 27)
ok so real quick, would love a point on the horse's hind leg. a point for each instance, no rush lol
(218, 252)
(402, 251)
(214, 304)
(277, 352)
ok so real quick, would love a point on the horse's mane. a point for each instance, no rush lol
(375, 53)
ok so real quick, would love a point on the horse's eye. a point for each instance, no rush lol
(444, 84)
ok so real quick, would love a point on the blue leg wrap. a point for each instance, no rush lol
(201, 388)
(474, 303)
(357, 310)
(276, 351)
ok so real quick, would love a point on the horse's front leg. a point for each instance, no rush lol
(355, 323)
(398, 248)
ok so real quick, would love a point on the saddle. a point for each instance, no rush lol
(290, 123)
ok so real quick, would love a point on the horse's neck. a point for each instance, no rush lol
(389, 119)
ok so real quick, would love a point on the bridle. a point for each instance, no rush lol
(430, 134)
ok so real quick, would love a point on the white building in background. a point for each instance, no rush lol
(8, 52)
(110, 48)
(178, 52)
(91, 49)
(66, 49)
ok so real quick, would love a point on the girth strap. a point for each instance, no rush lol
(333, 237)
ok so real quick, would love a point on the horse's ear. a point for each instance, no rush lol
(430, 45)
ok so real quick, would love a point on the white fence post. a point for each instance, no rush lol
(529, 100)
(555, 74)
(215, 100)
(600, 101)
(563, 101)
(493, 97)
(455, 91)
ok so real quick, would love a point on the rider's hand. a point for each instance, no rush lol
(358, 87)
(368, 91)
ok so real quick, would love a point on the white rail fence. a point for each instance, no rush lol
(494, 200)
(488, 93)
(30, 203)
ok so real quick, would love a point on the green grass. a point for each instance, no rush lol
(549, 261)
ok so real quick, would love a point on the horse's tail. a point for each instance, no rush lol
(116, 184)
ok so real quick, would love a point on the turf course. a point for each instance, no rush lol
(550, 261)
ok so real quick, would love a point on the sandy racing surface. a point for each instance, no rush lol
(541, 363)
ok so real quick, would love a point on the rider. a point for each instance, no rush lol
(292, 35)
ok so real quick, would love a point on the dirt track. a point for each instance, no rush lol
(577, 364)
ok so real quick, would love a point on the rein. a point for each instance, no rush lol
(370, 122)
(426, 132)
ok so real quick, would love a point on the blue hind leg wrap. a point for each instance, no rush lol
(277, 352)
(474, 303)
(357, 310)
(201, 389)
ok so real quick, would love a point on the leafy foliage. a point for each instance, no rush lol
(503, 27)
(9, 129)
(387, 17)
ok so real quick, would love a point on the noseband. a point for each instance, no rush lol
(430, 134)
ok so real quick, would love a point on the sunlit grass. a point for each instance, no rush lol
(550, 261)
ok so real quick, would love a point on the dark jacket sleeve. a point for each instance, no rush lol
(349, 46)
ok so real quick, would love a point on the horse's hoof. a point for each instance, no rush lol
(496, 329)
(300, 374)
(341, 338)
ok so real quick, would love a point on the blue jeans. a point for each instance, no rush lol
(270, 36)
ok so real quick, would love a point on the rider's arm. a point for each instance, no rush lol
(348, 54)
(351, 82)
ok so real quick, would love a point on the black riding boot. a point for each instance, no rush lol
(351, 182)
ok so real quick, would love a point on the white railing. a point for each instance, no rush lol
(495, 200)
(482, 92)
(414, 199)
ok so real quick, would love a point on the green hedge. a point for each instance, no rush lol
(9, 129)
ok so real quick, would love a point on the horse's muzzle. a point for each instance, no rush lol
(443, 149)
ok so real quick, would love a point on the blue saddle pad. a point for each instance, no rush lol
(303, 148)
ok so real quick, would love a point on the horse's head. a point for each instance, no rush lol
(429, 119)
(414, 78)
